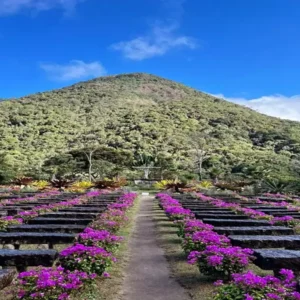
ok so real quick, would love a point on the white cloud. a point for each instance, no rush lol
(74, 70)
(275, 105)
(158, 42)
(9, 7)
(162, 37)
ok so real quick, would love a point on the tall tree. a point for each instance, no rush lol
(200, 149)
(90, 140)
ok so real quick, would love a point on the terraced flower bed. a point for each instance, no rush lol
(60, 221)
(227, 255)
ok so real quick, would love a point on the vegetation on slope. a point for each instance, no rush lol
(119, 122)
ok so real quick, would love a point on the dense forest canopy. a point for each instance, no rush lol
(132, 120)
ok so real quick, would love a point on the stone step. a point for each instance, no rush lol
(41, 220)
(221, 216)
(277, 200)
(295, 215)
(223, 212)
(263, 230)
(31, 203)
(22, 259)
(277, 259)
(9, 197)
(280, 212)
(97, 210)
(73, 215)
(266, 241)
(47, 228)
(259, 207)
(20, 238)
(197, 204)
(270, 199)
(228, 222)
(90, 205)
(15, 207)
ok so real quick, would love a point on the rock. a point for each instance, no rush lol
(277, 259)
(9, 247)
(263, 230)
(266, 241)
(43, 247)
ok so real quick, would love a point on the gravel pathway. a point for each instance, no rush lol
(147, 274)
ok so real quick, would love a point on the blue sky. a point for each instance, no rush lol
(247, 51)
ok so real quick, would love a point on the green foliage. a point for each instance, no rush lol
(120, 117)
(277, 185)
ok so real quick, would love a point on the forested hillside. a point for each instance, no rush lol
(134, 119)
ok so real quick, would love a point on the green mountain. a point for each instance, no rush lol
(130, 118)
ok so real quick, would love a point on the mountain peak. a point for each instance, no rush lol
(141, 113)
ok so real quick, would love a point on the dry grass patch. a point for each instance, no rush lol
(198, 286)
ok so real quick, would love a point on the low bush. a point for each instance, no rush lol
(221, 262)
(89, 259)
(249, 286)
(51, 283)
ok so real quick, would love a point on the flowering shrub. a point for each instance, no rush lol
(38, 210)
(9, 221)
(237, 208)
(27, 215)
(255, 214)
(221, 262)
(100, 238)
(278, 196)
(29, 199)
(94, 193)
(178, 213)
(167, 201)
(42, 209)
(285, 221)
(50, 284)
(199, 240)
(89, 259)
(111, 220)
(250, 286)
(190, 226)
(115, 217)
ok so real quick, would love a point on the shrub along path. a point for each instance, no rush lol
(147, 274)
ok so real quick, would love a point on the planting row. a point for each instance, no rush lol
(36, 209)
(216, 256)
(258, 234)
(79, 265)
(289, 212)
